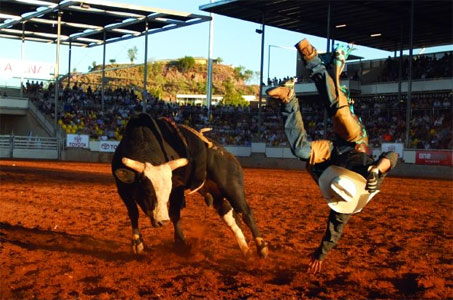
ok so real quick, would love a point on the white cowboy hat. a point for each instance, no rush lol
(344, 190)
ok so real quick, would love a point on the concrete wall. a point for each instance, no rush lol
(260, 160)
(21, 125)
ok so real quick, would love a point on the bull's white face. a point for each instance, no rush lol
(160, 177)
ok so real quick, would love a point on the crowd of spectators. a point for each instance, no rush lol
(423, 67)
(384, 117)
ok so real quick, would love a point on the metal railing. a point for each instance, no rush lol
(33, 147)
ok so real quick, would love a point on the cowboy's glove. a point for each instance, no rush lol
(374, 180)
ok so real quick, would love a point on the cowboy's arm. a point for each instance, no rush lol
(377, 173)
(335, 226)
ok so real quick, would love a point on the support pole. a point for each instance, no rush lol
(261, 81)
(22, 51)
(409, 83)
(328, 50)
(69, 63)
(269, 63)
(209, 77)
(57, 71)
(103, 75)
(400, 65)
(145, 70)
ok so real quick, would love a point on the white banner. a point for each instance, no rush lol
(108, 146)
(77, 141)
(27, 69)
(396, 147)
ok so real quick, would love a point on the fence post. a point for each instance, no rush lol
(58, 147)
(11, 148)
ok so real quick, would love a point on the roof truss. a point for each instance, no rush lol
(86, 23)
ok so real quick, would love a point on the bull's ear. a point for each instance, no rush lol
(125, 175)
(177, 163)
(133, 164)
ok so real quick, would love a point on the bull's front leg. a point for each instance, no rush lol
(137, 241)
(177, 203)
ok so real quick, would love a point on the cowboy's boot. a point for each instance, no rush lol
(306, 50)
(284, 92)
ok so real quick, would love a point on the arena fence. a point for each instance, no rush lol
(29, 147)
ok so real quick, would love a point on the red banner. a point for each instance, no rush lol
(434, 157)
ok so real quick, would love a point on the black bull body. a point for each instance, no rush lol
(157, 161)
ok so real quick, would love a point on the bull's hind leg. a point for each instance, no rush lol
(237, 199)
(226, 212)
(177, 203)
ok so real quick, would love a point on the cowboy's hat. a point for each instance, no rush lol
(344, 190)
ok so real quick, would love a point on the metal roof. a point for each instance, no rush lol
(83, 23)
(378, 24)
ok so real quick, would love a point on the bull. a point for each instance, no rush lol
(157, 161)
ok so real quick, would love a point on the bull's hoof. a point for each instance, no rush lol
(247, 254)
(138, 248)
(137, 244)
(263, 252)
(261, 247)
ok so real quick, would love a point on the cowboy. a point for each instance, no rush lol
(343, 168)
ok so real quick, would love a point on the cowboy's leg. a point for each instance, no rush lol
(336, 103)
(313, 152)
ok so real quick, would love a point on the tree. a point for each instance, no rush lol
(186, 63)
(219, 60)
(232, 97)
(112, 61)
(248, 74)
(132, 53)
(92, 67)
(238, 72)
(156, 92)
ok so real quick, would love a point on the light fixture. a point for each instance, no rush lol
(340, 25)
(375, 34)
(84, 5)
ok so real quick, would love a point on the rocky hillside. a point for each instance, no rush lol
(166, 79)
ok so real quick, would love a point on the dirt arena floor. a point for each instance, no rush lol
(65, 234)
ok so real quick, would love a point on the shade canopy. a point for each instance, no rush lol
(86, 23)
(383, 25)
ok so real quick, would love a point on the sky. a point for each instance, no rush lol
(234, 41)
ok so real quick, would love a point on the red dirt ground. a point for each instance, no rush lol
(64, 234)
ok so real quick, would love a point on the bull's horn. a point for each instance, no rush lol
(177, 163)
(133, 164)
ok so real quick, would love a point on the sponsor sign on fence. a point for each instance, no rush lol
(108, 146)
(77, 141)
(434, 157)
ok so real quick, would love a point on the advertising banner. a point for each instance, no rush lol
(10, 68)
(434, 157)
(77, 141)
(108, 146)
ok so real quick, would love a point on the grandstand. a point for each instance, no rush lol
(382, 89)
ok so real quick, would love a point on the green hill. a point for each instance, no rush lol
(165, 79)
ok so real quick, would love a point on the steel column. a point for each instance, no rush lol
(210, 54)
(57, 71)
(145, 71)
(103, 74)
(261, 80)
(409, 83)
